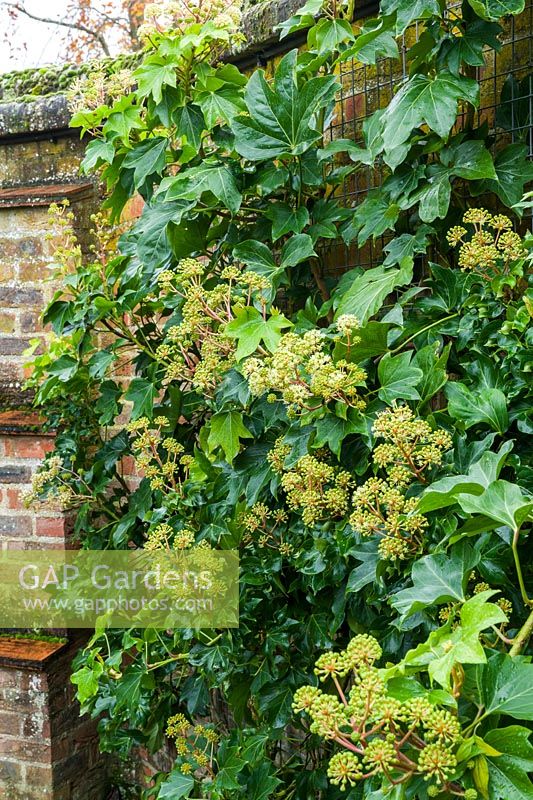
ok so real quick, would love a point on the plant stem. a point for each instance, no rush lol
(423, 330)
(518, 567)
(522, 636)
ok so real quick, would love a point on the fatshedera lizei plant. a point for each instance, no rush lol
(360, 437)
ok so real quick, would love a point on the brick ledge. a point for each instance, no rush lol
(27, 653)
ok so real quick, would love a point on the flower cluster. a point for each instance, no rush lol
(491, 248)
(57, 488)
(88, 92)
(195, 745)
(382, 510)
(197, 351)
(178, 15)
(159, 458)
(314, 487)
(379, 734)
(411, 447)
(305, 374)
(67, 251)
(265, 526)
(164, 537)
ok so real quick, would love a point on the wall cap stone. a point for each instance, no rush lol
(27, 653)
(43, 194)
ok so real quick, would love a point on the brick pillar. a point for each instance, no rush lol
(46, 751)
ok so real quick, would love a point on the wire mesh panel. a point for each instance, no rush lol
(506, 107)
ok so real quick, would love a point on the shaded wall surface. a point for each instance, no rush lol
(46, 751)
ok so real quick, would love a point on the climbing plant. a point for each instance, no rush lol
(361, 440)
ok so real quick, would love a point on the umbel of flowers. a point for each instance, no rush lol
(378, 733)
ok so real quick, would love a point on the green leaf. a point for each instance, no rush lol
(124, 118)
(508, 773)
(375, 40)
(303, 18)
(86, 680)
(501, 501)
(220, 104)
(154, 73)
(97, 152)
(146, 158)
(436, 579)
(447, 646)
(433, 368)
(262, 782)
(407, 245)
(142, 394)
(495, 9)
(297, 249)
(504, 686)
(226, 429)
(100, 362)
(332, 430)
(513, 170)
(480, 475)
(281, 117)
(375, 215)
(486, 406)
(469, 48)
(64, 368)
(367, 292)
(187, 237)
(257, 256)
(215, 178)
(425, 100)
(230, 765)
(434, 197)
(398, 378)
(286, 219)
(190, 123)
(471, 160)
(175, 786)
(372, 342)
(151, 231)
(444, 492)
(408, 11)
(365, 572)
(250, 329)
(328, 34)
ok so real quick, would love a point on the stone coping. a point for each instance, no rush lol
(27, 653)
(44, 194)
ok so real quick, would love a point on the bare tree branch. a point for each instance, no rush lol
(96, 35)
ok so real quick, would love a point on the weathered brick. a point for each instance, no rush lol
(15, 297)
(10, 723)
(50, 526)
(27, 247)
(10, 772)
(27, 446)
(7, 322)
(7, 269)
(30, 322)
(25, 751)
(13, 345)
(14, 473)
(16, 526)
(38, 776)
(29, 272)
